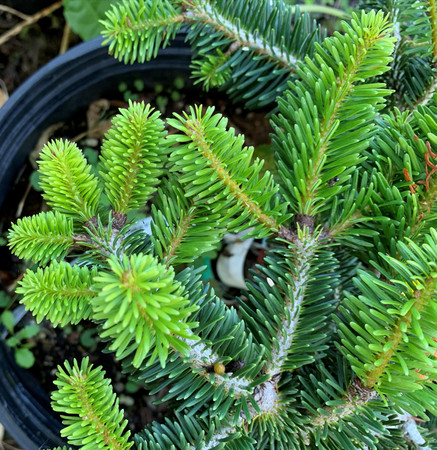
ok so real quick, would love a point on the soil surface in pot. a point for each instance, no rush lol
(54, 345)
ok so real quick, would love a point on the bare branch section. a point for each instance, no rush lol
(305, 252)
(356, 396)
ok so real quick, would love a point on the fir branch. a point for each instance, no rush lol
(252, 56)
(89, 407)
(67, 182)
(135, 30)
(397, 333)
(333, 399)
(292, 285)
(412, 76)
(347, 221)
(426, 210)
(132, 157)
(209, 13)
(184, 432)
(223, 173)
(428, 94)
(221, 434)
(100, 241)
(380, 346)
(305, 251)
(356, 396)
(340, 228)
(226, 372)
(141, 307)
(261, 46)
(426, 205)
(354, 408)
(43, 237)
(60, 293)
(402, 204)
(201, 356)
(191, 433)
(104, 241)
(320, 131)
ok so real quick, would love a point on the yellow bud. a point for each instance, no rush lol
(219, 368)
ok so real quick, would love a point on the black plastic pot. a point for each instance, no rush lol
(54, 93)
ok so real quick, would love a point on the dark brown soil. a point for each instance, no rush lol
(34, 46)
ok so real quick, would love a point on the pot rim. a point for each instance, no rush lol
(66, 81)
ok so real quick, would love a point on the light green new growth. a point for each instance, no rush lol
(67, 182)
(219, 174)
(60, 293)
(329, 113)
(140, 301)
(90, 408)
(132, 157)
(42, 238)
(148, 25)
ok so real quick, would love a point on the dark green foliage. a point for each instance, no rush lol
(248, 47)
(292, 295)
(412, 72)
(187, 433)
(329, 392)
(332, 345)
(253, 46)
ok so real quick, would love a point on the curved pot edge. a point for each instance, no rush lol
(13, 129)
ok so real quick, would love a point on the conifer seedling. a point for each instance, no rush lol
(333, 345)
